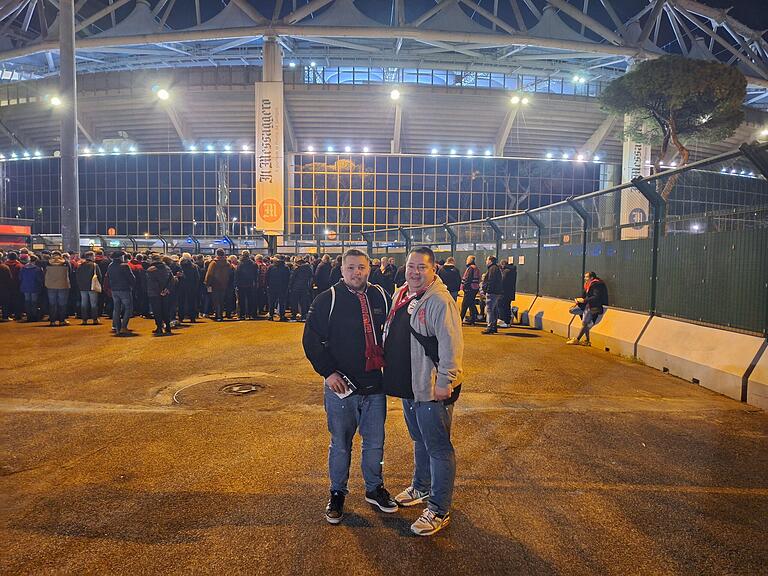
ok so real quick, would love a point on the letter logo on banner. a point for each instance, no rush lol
(635, 209)
(270, 213)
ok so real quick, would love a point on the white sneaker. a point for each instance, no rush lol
(573, 342)
(429, 523)
(410, 497)
(501, 324)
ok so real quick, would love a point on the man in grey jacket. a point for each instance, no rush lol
(423, 349)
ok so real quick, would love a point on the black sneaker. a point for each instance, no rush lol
(381, 498)
(335, 508)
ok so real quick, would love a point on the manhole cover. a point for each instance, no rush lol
(241, 389)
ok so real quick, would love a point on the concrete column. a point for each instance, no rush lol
(70, 193)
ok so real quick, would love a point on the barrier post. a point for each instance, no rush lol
(452, 235)
(658, 209)
(585, 225)
(539, 226)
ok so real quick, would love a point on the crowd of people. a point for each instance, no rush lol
(178, 288)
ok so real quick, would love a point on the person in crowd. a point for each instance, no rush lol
(342, 339)
(451, 277)
(188, 288)
(105, 302)
(31, 283)
(470, 284)
(246, 280)
(262, 302)
(509, 288)
(161, 283)
(590, 306)
(89, 297)
(278, 277)
(386, 277)
(423, 352)
(493, 290)
(121, 282)
(300, 288)
(335, 270)
(140, 306)
(15, 298)
(323, 274)
(377, 274)
(230, 300)
(399, 278)
(57, 284)
(217, 279)
(6, 290)
(73, 298)
(203, 299)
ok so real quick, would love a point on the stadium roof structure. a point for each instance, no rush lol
(342, 58)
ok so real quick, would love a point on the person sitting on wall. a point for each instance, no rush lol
(589, 307)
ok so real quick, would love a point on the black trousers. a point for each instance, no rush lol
(468, 303)
(504, 309)
(188, 303)
(218, 299)
(300, 302)
(246, 302)
(277, 300)
(161, 310)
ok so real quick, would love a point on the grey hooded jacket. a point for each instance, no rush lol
(435, 314)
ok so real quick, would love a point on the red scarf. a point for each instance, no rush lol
(589, 283)
(374, 353)
(403, 299)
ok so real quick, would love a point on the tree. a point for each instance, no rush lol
(675, 99)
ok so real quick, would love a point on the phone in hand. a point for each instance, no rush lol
(351, 388)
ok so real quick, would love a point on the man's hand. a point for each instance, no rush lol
(336, 383)
(579, 300)
(442, 393)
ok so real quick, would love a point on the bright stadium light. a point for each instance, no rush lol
(395, 94)
(366, 150)
(487, 152)
(723, 169)
(132, 149)
(209, 148)
(313, 63)
(524, 100)
(434, 151)
(329, 149)
(14, 155)
(596, 158)
(87, 151)
(163, 94)
(292, 64)
(764, 132)
(515, 99)
(453, 152)
(549, 155)
(565, 156)
(347, 149)
(26, 154)
(55, 101)
(227, 148)
(37, 154)
(580, 157)
(244, 148)
(192, 148)
(470, 152)
(2, 156)
(310, 148)
(115, 150)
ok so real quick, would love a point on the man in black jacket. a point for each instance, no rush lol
(278, 277)
(323, 274)
(590, 306)
(493, 291)
(300, 289)
(246, 278)
(451, 277)
(121, 282)
(342, 340)
(509, 288)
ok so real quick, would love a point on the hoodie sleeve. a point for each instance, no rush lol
(316, 334)
(450, 340)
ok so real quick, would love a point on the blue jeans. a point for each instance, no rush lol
(122, 309)
(345, 417)
(57, 302)
(30, 305)
(491, 304)
(429, 424)
(89, 304)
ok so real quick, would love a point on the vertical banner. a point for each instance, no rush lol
(270, 157)
(634, 207)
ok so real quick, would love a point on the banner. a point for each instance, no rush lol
(635, 209)
(270, 158)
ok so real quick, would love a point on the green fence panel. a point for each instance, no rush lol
(625, 267)
(716, 278)
(526, 267)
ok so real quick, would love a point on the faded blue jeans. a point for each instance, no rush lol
(122, 309)
(429, 424)
(57, 304)
(491, 309)
(356, 412)
(89, 305)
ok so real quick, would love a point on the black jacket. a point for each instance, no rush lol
(509, 281)
(159, 277)
(338, 342)
(399, 278)
(190, 279)
(335, 275)
(301, 278)
(323, 276)
(246, 274)
(451, 277)
(120, 276)
(493, 281)
(596, 297)
(278, 276)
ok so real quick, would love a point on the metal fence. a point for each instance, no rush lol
(690, 243)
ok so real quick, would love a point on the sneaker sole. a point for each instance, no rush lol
(380, 507)
(406, 504)
(333, 520)
(431, 532)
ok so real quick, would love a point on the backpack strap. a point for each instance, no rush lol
(383, 297)
(333, 302)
